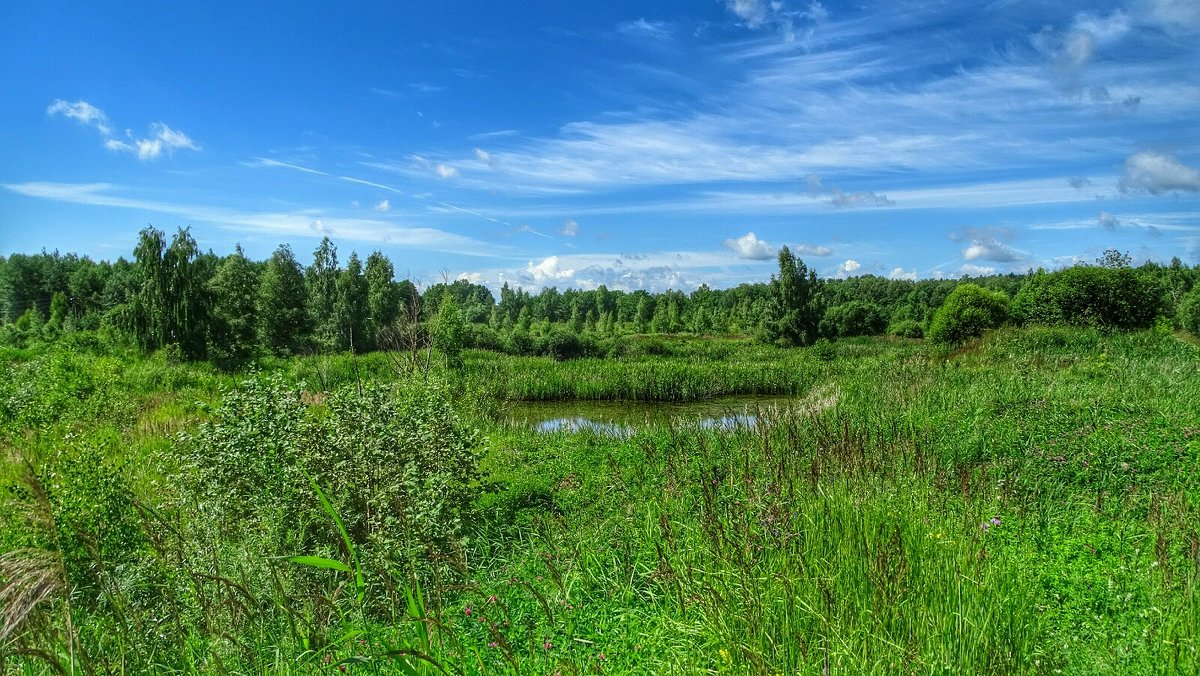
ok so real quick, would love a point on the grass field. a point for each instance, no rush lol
(1029, 503)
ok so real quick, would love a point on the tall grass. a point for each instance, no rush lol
(1025, 504)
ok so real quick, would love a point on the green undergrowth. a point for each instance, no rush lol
(1025, 503)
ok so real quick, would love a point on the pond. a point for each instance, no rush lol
(623, 418)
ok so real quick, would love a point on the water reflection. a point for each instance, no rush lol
(623, 418)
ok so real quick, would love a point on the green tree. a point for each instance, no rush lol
(795, 308)
(321, 279)
(234, 290)
(1189, 311)
(383, 295)
(171, 303)
(284, 324)
(855, 318)
(450, 331)
(351, 307)
(969, 310)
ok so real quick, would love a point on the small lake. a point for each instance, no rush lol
(623, 418)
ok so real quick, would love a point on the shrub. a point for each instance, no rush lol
(1122, 298)
(1189, 311)
(402, 465)
(967, 312)
(562, 345)
(906, 328)
(856, 318)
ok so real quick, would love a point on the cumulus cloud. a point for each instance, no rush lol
(162, 138)
(1157, 173)
(569, 228)
(549, 270)
(901, 273)
(987, 244)
(847, 268)
(750, 247)
(445, 171)
(383, 207)
(812, 250)
(1079, 182)
(1108, 221)
(816, 188)
(972, 270)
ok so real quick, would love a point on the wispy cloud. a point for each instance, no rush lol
(162, 138)
(82, 111)
(265, 162)
(570, 228)
(305, 223)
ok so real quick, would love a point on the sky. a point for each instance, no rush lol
(637, 145)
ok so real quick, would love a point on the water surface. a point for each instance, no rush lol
(622, 418)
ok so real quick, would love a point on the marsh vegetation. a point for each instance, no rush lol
(1024, 501)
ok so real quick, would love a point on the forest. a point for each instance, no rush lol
(219, 465)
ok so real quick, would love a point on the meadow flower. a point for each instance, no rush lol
(467, 611)
(547, 645)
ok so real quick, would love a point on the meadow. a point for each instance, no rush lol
(1028, 502)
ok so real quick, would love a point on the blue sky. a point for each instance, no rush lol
(632, 144)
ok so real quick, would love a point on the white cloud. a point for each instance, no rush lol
(446, 171)
(901, 273)
(162, 138)
(750, 247)
(990, 250)
(972, 270)
(811, 250)
(987, 244)
(265, 162)
(1108, 221)
(82, 111)
(301, 222)
(645, 28)
(485, 157)
(569, 228)
(549, 271)
(755, 13)
(1175, 15)
(1158, 173)
(847, 268)
(854, 199)
(383, 207)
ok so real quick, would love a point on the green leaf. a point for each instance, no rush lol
(320, 562)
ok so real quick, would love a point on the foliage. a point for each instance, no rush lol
(1113, 297)
(449, 331)
(1189, 311)
(795, 310)
(855, 318)
(284, 323)
(969, 310)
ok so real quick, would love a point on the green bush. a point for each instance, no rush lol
(967, 312)
(562, 345)
(1189, 311)
(1122, 298)
(855, 318)
(906, 328)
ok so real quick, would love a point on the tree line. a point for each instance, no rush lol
(230, 308)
